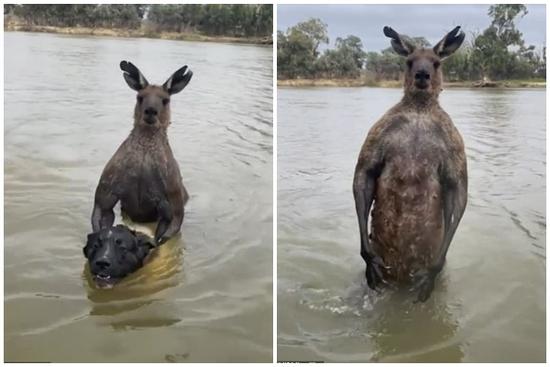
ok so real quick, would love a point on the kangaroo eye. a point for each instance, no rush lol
(118, 241)
(139, 99)
(409, 63)
(436, 64)
(165, 101)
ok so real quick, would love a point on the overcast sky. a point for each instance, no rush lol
(430, 21)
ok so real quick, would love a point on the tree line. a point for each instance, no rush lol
(242, 20)
(497, 53)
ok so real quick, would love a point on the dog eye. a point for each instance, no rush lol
(139, 99)
(165, 101)
(96, 245)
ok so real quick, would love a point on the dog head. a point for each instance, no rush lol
(116, 252)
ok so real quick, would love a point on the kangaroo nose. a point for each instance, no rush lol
(103, 264)
(422, 74)
(150, 111)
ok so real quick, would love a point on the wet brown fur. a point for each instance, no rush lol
(407, 217)
(414, 156)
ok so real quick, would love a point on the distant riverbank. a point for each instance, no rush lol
(134, 33)
(360, 82)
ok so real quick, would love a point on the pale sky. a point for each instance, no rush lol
(429, 21)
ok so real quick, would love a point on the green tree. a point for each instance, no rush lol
(244, 20)
(500, 51)
(345, 61)
(419, 41)
(84, 15)
(503, 21)
(315, 30)
(386, 65)
(295, 55)
(352, 47)
(297, 49)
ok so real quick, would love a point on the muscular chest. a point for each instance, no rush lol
(413, 151)
(137, 166)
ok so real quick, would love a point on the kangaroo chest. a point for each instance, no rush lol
(407, 213)
(142, 180)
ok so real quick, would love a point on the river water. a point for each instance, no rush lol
(207, 295)
(489, 302)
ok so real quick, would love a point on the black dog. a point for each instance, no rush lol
(115, 252)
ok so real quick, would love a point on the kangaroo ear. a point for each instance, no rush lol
(133, 76)
(178, 80)
(450, 43)
(399, 44)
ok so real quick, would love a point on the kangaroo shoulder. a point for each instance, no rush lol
(456, 156)
(448, 130)
(372, 148)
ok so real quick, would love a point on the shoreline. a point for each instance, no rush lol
(136, 33)
(354, 83)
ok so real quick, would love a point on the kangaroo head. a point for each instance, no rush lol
(153, 102)
(423, 74)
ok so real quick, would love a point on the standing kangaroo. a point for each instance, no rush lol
(413, 167)
(143, 173)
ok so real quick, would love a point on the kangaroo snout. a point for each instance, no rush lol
(422, 79)
(151, 111)
(422, 75)
(150, 115)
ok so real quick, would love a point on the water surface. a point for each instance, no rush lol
(207, 295)
(489, 302)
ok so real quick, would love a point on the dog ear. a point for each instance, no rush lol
(145, 241)
(145, 245)
(92, 238)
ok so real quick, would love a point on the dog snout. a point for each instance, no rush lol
(102, 264)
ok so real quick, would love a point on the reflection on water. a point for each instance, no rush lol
(489, 302)
(63, 121)
(407, 332)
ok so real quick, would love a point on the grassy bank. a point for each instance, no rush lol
(360, 82)
(136, 33)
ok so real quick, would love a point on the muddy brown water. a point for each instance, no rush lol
(489, 303)
(207, 295)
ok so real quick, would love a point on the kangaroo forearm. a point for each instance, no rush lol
(363, 189)
(102, 218)
(171, 216)
(166, 230)
(453, 209)
(96, 218)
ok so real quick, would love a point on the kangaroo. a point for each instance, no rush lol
(143, 173)
(412, 170)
